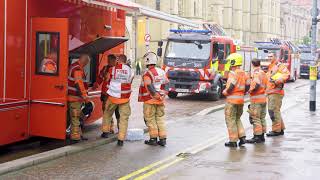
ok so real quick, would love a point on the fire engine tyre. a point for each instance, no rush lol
(218, 92)
(172, 95)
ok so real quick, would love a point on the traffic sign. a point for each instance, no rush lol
(313, 73)
(147, 38)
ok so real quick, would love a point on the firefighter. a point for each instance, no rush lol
(258, 101)
(77, 95)
(152, 93)
(138, 67)
(237, 84)
(277, 75)
(119, 80)
(112, 59)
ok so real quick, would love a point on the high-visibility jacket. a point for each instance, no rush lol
(258, 77)
(102, 79)
(239, 79)
(120, 81)
(158, 79)
(276, 87)
(49, 66)
(77, 84)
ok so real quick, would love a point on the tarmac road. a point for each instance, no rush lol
(195, 151)
(182, 106)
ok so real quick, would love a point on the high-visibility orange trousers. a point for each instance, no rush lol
(233, 114)
(258, 113)
(154, 117)
(125, 112)
(274, 107)
(74, 110)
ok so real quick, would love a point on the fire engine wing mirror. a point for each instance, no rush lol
(98, 46)
(159, 51)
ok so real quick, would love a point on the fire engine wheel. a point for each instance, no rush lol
(172, 95)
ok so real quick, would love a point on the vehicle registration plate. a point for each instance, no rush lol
(182, 90)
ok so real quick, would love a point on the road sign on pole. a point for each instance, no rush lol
(147, 39)
(313, 81)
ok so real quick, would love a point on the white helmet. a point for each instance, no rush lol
(150, 58)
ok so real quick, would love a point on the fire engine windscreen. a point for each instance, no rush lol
(306, 56)
(191, 54)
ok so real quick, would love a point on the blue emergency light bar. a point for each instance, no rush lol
(190, 31)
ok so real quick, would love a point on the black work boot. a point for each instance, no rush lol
(262, 137)
(151, 141)
(255, 139)
(73, 141)
(104, 135)
(120, 143)
(162, 142)
(282, 132)
(230, 144)
(83, 138)
(242, 141)
(273, 133)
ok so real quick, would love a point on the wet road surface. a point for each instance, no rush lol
(182, 106)
(195, 150)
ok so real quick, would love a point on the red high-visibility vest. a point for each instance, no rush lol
(120, 81)
(72, 89)
(158, 79)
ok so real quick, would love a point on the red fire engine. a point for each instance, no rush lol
(33, 32)
(55, 32)
(195, 62)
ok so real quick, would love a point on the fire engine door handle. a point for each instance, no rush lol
(59, 86)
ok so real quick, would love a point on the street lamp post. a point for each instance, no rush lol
(313, 80)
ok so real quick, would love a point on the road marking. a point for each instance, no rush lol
(152, 172)
(173, 159)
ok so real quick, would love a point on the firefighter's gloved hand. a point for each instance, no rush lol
(225, 93)
(157, 96)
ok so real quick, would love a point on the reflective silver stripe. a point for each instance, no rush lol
(70, 71)
(72, 88)
(143, 94)
(273, 90)
(235, 97)
(120, 92)
(241, 87)
(258, 96)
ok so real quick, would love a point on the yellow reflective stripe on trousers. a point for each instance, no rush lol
(235, 97)
(258, 96)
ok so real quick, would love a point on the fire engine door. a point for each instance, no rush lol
(48, 81)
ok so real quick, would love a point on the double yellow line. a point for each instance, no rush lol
(154, 168)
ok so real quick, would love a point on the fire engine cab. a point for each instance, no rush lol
(39, 40)
(195, 60)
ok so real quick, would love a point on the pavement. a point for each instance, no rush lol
(195, 150)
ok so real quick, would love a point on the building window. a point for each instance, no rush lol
(47, 53)
(158, 5)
